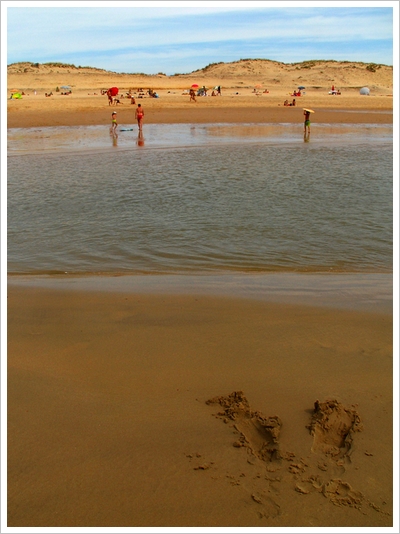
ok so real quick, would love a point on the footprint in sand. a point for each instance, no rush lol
(340, 493)
(259, 434)
(309, 485)
(332, 426)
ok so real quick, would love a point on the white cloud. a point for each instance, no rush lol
(36, 33)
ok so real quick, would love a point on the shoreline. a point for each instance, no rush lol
(93, 138)
(224, 114)
(366, 292)
(82, 109)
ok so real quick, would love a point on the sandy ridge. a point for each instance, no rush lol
(243, 96)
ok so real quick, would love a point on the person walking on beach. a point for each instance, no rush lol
(192, 95)
(139, 114)
(114, 124)
(307, 121)
(110, 98)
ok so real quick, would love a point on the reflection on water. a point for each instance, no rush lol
(114, 138)
(140, 139)
(79, 138)
(214, 202)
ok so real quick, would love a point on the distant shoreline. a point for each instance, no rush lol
(196, 115)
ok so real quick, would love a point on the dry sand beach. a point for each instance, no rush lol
(136, 409)
(238, 102)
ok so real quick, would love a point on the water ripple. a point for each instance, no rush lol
(238, 206)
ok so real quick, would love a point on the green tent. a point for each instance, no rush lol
(16, 95)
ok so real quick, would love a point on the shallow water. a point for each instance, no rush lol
(200, 198)
(89, 138)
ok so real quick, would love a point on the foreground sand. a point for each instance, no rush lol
(109, 423)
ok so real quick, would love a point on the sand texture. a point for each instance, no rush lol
(157, 411)
(237, 103)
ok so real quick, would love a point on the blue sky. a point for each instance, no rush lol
(180, 37)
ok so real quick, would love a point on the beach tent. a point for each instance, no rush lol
(113, 91)
(16, 95)
(364, 91)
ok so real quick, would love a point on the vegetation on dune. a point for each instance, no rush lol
(211, 65)
(259, 59)
(299, 65)
(26, 66)
(53, 64)
(372, 67)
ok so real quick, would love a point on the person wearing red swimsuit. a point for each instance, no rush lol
(139, 114)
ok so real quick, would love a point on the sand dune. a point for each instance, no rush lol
(238, 103)
(319, 75)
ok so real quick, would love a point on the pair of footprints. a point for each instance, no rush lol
(332, 427)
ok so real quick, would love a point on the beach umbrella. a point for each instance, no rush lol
(194, 85)
(258, 85)
(113, 91)
(364, 91)
(65, 87)
(301, 87)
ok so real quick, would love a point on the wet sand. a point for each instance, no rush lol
(109, 421)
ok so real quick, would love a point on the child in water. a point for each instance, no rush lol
(307, 121)
(114, 124)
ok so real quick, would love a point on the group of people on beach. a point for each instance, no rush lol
(203, 92)
(139, 114)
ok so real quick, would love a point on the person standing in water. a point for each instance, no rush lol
(307, 121)
(114, 124)
(139, 114)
